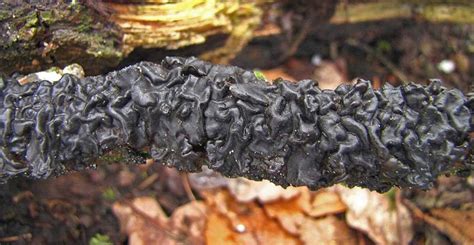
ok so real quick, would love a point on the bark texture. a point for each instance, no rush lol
(35, 35)
(188, 113)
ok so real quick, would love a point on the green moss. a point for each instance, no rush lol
(47, 17)
(31, 20)
(83, 27)
(392, 198)
(81, 31)
(384, 47)
(109, 194)
(99, 239)
(4, 15)
(101, 48)
(259, 75)
(26, 34)
(27, 27)
(142, 154)
(112, 158)
(85, 23)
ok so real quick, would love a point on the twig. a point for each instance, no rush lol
(26, 236)
(450, 230)
(299, 38)
(434, 11)
(187, 186)
(189, 191)
(148, 181)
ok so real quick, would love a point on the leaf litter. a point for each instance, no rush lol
(241, 211)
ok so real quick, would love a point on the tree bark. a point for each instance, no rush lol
(38, 34)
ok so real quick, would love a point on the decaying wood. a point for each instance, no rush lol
(35, 35)
(455, 11)
(99, 34)
(187, 113)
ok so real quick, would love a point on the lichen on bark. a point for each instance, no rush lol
(36, 34)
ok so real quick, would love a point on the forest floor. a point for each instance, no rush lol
(117, 203)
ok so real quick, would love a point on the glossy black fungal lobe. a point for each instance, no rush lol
(188, 113)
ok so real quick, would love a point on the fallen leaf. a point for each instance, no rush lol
(460, 221)
(290, 213)
(222, 219)
(328, 230)
(245, 190)
(293, 212)
(188, 222)
(150, 207)
(457, 224)
(325, 202)
(231, 222)
(372, 213)
(295, 216)
(143, 221)
(277, 73)
(217, 229)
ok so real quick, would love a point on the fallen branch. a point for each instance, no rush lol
(22, 237)
(456, 11)
(187, 113)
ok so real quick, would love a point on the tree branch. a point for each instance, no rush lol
(455, 11)
(187, 113)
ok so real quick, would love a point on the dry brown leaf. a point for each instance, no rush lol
(188, 222)
(231, 222)
(294, 216)
(276, 73)
(372, 213)
(144, 222)
(245, 190)
(457, 224)
(459, 219)
(328, 230)
(221, 219)
(325, 202)
(219, 230)
(290, 213)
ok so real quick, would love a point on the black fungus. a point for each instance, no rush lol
(188, 113)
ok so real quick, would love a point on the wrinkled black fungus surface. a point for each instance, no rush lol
(188, 113)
